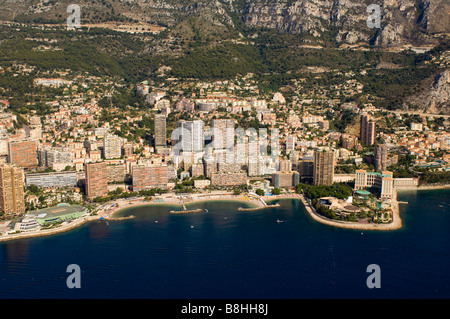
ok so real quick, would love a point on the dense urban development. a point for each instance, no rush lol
(89, 142)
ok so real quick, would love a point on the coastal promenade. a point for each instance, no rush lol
(51, 231)
(110, 210)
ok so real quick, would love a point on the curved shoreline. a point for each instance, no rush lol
(60, 229)
(396, 223)
(48, 232)
(256, 205)
(177, 202)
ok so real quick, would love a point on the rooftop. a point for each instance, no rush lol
(384, 174)
(57, 211)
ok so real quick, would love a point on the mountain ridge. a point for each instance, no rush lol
(403, 22)
(278, 40)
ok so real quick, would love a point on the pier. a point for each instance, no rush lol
(186, 211)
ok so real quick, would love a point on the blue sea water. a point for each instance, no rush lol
(225, 253)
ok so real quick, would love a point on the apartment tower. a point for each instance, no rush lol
(112, 146)
(323, 167)
(148, 177)
(23, 153)
(12, 198)
(367, 129)
(160, 130)
(380, 157)
(190, 135)
(96, 180)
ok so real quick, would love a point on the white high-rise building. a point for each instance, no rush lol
(191, 135)
(112, 146)
(290, 143)
(225, 128)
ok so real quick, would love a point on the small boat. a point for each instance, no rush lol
(192, 226)
(156, 222)
(280, 221)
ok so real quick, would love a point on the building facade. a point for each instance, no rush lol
(48, 157)
(23, 153)
(323, 167)
(367, 129)
(383, 181)
(149, 176)
(381, 157)
(228, 179)
(96, 180)
(291, 141)
(190, 136)
(112, 146)
(12, 197)
(306, 169)
(116, 173)
(54, 179)
(223, 133)
(160, 130)
(285, 179)
(349, 142)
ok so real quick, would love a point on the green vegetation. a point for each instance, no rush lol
(338, 190)
(324, 211)
(274, 58)
(343, 120)
(276, 191)
(223, 61)
(392, 86)
(429, 177)
(120, 193)
(260, 192)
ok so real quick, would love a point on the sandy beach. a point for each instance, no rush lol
(111, 212)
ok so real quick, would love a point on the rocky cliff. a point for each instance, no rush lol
(413, 22)
(435, 98)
